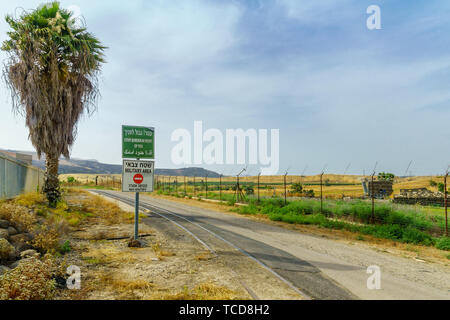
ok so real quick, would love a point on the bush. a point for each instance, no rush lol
(249, 190)
(386, 176)
(443, 243)
(46, 236)
(65, 248)
(31, 280)
(297, 188)
(393, 232)
(30, 200)
(6, 249)
(19, 216)
(411, 235)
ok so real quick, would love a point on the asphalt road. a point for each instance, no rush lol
(316, 267)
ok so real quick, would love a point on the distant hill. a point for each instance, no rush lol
(77, 166)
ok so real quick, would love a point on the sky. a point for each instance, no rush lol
(338, 92)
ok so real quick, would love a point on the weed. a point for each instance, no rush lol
(443, 243)
(30, 200)
(65, 248)
(203, 291)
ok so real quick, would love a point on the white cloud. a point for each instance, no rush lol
(315, 11)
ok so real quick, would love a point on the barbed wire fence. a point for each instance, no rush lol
(248, 185)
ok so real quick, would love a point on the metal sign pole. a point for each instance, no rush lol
(136, 216)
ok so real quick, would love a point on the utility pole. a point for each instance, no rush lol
(185, 193)
(206, 186)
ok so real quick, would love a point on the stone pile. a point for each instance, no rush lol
(421, 196)
(14, 246)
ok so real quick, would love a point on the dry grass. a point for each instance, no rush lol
(123, 285)
(109, 253)
(204, 256)
(6, 249)
(204, 291)
(160, 253)
(106, 211)
(19, 216)
(30, 200)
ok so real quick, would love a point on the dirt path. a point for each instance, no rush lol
(402, 278)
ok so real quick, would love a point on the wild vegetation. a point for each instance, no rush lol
(393, 223)
(33, 248)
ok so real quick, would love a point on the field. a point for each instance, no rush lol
(334, 186)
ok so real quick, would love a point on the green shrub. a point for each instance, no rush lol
(393, 232)
(411, 235)
(443, 243)
(65, 248)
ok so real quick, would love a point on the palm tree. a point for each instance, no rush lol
(52, 73)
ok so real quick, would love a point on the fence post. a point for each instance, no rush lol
(259, 175)
(220, 187)
(285, 190)
(445, 204)
(321, 193)
(373, 198)
(206, 187)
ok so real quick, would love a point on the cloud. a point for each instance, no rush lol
(323, 12)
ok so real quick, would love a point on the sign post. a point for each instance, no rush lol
(137, 175)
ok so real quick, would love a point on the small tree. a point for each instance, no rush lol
(385, 176)
(249, 190)
(297, 187)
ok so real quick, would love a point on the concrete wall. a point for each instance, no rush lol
(17, 177)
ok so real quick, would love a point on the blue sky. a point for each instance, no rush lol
(338, 92)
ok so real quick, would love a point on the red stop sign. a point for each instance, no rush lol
(138, 178)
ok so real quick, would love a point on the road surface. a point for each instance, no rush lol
(315, 267)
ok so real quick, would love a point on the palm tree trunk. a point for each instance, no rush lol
(51, 186)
